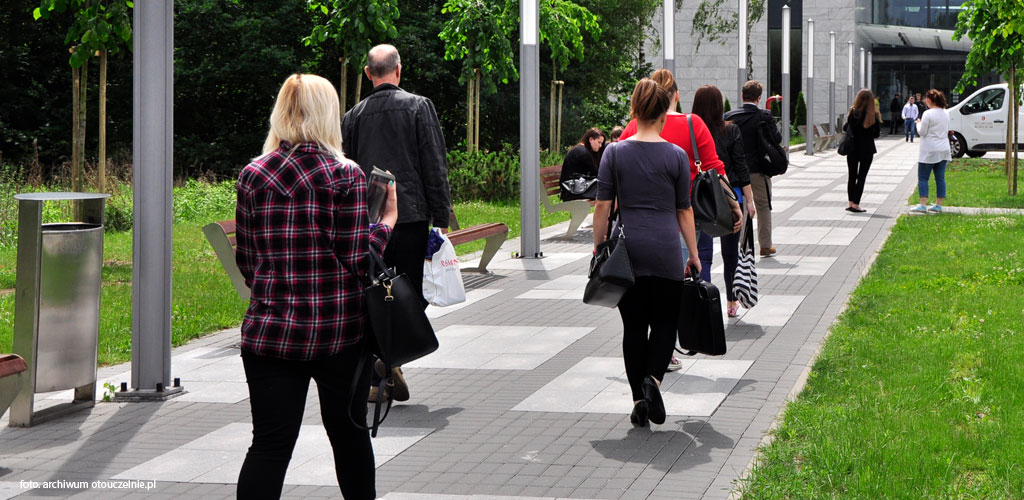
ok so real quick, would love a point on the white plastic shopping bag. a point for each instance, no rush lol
(442, 278)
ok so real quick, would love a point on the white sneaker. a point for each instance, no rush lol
(921, 209)
(935, 208)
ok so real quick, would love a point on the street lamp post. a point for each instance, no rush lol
(669, 36)
(785, 78)
(809, 95)
(862, 75)
(849, 76)
(529, 132)
(741, 64)
(868, 84)
(832, 82)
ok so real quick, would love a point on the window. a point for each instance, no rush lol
(989, 100)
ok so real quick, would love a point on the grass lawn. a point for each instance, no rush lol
(976, 182)
(917, 391)
(204, 300)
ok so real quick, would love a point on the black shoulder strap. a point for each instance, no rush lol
(615, 177)
(693, 142)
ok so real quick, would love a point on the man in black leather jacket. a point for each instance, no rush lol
(395, 130)
(752, 121)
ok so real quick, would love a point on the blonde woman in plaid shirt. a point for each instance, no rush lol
(302, 224)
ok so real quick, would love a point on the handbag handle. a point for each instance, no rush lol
(693, 143)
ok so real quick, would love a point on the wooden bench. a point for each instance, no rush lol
(221, 236)
(551, 186)
(12, 376)
(822, 139)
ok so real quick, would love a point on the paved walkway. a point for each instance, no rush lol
(526, 398)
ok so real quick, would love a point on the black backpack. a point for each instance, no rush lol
(771, 156)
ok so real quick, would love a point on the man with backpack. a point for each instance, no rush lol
(765, 157)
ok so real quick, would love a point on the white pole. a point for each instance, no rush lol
(862, 75)
(529, 131)
(849, 75)
(832, 82)
(809, 95)
(669, 36)
(741, 63)
(868, 84)
(785, 78)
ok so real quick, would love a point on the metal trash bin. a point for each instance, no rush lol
(57, 303)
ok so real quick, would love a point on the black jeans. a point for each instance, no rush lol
(858, 166)
(277, 396)
(406, 251)
(651, 305)
(730, 259)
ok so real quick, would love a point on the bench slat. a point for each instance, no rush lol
(11, 364)
(477, 232)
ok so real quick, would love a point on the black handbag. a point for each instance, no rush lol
(709, 197)
(583, 186)
(774, 161)
(701, 328)
(397, 329)
(846, 143)
(611, 273)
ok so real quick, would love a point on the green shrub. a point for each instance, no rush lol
(728, 107)
(487, 176)
(800, 114)
(776, 109)
(202, 202)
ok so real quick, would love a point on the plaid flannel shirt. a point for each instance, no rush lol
(302, 224)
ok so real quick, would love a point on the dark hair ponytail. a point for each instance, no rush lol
(650, 100)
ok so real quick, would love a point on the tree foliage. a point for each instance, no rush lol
(98, 25)
(996, 31)
(480, 33)
(562, 25)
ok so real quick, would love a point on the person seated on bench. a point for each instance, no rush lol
(579, 168)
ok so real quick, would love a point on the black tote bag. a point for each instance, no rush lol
(611, 273)
(701, 329)
(709, 197)
(397, 329)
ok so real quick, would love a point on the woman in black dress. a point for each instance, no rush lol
(864, 126)
(581, 162)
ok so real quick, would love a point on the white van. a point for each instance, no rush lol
(978, 123)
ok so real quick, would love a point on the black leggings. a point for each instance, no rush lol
(651, 303)
(858, 167)
(277, 396)
(730, 259)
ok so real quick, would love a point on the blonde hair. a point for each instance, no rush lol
(306, 110)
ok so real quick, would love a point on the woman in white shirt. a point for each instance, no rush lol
(934, 128)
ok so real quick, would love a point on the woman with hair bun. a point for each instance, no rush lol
(649, 179)
(934, 154)
(304, 238)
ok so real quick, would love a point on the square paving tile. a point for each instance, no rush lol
(771, 310)
(10, 489)
(871, 187)
(217, 457)
(791, 192)
(483, 347)
(551, 261)
(815, 235)
(434, 496)
(832, 213)
(842, 197)
(599, 385)
(472, 297)
(802, 183)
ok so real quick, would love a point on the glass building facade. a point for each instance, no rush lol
(937, 14)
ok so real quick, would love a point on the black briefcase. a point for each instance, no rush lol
(701, 328)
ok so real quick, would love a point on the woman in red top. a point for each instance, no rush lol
(678, 132)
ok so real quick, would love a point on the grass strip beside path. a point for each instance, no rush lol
(478, 212)
(975, 182)
(917, 390)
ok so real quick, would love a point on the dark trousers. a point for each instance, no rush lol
(706, 253)
(407, 250)
(730, 259)
(277, 396)
(650, 318)
(894, 123)
(858, 166)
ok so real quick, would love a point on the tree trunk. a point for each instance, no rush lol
(82, 107)
(1016, 134)
(1007, 170)
(476, 114)
(76, 82)
(344, 83)
(359, 86)
(101, 165)
(551, 108)
(558, 135)
(470, 85)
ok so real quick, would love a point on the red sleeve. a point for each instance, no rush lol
(706, 147)
(629, 131)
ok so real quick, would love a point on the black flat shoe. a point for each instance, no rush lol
(856, 210)
(639, 415)
(656, 407)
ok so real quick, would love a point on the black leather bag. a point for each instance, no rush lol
(701, 328)
(847, 142)
(611, 273)
(709, 197)
(398, 330)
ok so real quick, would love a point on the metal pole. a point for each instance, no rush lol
(529, 133)
(862, 75)
(785, 78)
(869, 83)
(669, 36)
(741, 63)
(832, 82)
(153, 157)
(809, 95)
(849, 76)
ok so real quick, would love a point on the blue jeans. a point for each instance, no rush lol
(924, 170)
(909, 128)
